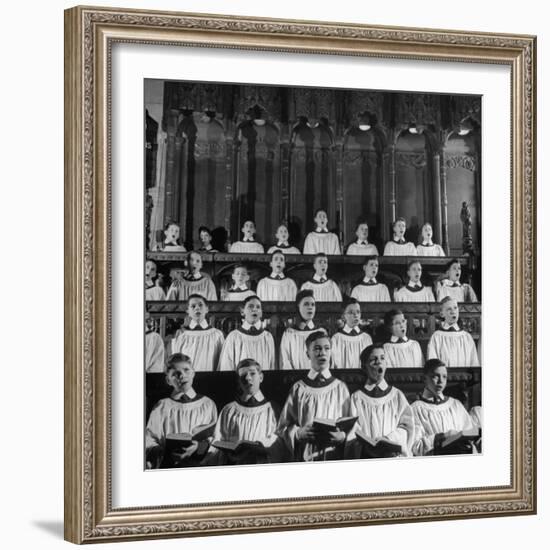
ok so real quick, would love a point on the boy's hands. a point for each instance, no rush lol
(179, 457)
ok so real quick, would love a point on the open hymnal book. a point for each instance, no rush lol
(344, 424)
(459, 442)
(182, 440)
(378, 448)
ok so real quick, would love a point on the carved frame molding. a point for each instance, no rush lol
(89, 35)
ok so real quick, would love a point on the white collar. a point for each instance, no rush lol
(258, 396)
(191, 393)
(399, 240)
(383, 386)
(325, 373)
(285, 244)
(362, 243)
(448, 282)
(430, 396)
(370, 280)
(414, 285)
(348, 330)
(258, 325)
(248, 239)
(427, 243)
(195, 275)
(446, 326)
(396, 338)
(235, 287)
(318, 278)
(277, 275)
(310, 325)
(320, 230)
(202, 324)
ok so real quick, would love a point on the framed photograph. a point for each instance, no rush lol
(300, 274)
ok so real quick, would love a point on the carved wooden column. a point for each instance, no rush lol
(393, 185)
(285, 174)
(174, 153)
(229, 179)
(339, 175)
(437, 196)
(384, 198)
(444, 202)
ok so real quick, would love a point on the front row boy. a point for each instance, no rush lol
(185, 411)
(437, 416)
(384, 414)
(318, 396)
(249, 419)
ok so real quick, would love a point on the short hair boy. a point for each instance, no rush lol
(282, 235)
(185, 411)
(321, 240)
(250, 341)
(350, 340)
(400, 351)
(171, 238)
(277, 287)
(414, 290)
(362, 247)
(451, 285)
(436, 415)
(200, 341)
(249, 418)
(248, 243)
(317, 396)
(324, 289)
(398, 246)
(240, 288)
(452, 345)
(293, 351)
(370, 289)
(383, 411)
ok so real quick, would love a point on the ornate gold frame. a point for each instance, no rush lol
(89, 35)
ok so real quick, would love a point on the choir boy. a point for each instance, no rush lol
(317, 396)
(321, 240)
(428, 247)
(293, 352)
(154, 347)
(196, 281)
(384, 414)
(350, 340)
(240, 288)
(248, 244)
(362, 247)
(153, 291)
(451, 285)
(282, 237)
(414, 290)
(251, 419)
(171, 238)
(452, 345)
(324, 289)
(400, 351)
(398, 246)
(185, 411)
(277, 287)
(250, 341)
(200, 341)
(436, 415)
(205, 237)
(369, 289)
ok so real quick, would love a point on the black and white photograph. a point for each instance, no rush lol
(312, 274)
